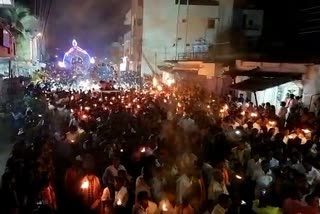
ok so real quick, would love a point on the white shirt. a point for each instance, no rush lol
(313, 176)
(273, 163)
(183, 184)
(121, 197)
(252, 166)
(110, 173)
(218, 210)
(263, 180)
(216, 189)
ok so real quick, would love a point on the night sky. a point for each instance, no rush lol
(93, 23)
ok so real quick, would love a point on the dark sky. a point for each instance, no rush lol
(93, 23)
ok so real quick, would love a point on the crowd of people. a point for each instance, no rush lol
(171, 150)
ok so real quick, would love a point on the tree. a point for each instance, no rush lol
(14, 17)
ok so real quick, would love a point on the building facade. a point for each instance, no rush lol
(175, 30)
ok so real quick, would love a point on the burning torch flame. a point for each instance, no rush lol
(238, 177)
(119, 202)
(254, 115)
(164, 207)
(272, 123)
(85, 185)
(154, 82)
(143, 150)
(306, 131)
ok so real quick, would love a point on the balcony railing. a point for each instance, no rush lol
(193, 56)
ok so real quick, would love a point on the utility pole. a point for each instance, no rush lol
(177, 29)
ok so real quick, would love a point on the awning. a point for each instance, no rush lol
(260, 84)
(262, 73)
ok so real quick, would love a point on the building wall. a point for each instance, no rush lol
(160, 30)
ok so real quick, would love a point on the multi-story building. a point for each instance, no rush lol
(177, 30)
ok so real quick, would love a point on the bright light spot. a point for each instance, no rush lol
(92, 60)
(237, 132)
(85, 185)
(61, 64)
(164, 207)
(238, 177)
(306, 131)
(39, 34)
(56, 56)
(143, 150)
(119, 202)
(154, 82)
(254, 115)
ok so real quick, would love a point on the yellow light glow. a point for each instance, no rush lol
(164, 207)
(154, 82)
(272, 123)
(119, 202)
(85, 185)
(243, 113)
(143, 150)
(254, 115)
(306, 131)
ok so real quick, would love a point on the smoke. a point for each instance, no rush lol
(94, 23)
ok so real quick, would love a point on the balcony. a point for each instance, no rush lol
(193, 56)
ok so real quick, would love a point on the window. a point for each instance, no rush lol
(211, 23)
(198, 2)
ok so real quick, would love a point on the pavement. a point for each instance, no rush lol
(5, 145)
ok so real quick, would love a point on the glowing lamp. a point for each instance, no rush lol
(291, 136)
(272, 123)
(165, 101)
(61, 64)
(85, 185)
(87, 108)
(119, 202)
(306, 131)
(121, 150)
(138, 106)
(154, 82)
(238, 177)
(164, 207)
(179, 105)
(254, 115)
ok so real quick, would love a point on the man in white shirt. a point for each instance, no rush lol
(183, 185)
(263, 177)
(224, 203)
(312, 174)
(112, 171)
